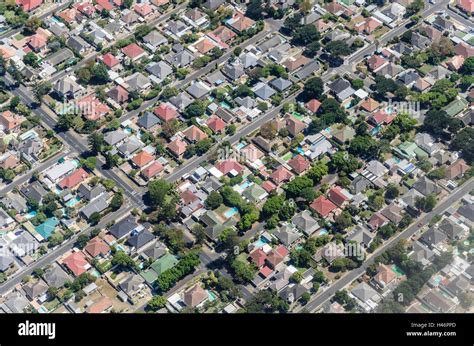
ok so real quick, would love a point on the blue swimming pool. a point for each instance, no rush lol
(323, 232)
(72, 202)
(231, 212)
(31, 214)
(260, 242)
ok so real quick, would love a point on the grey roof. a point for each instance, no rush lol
(263, 91)
(137, 81)
(66, 85)
(25, 243)
(307, 70)
(139, 239)
(114, 137)
(5, 262)
(90, 192)
(233, 71)
(60, 56)
(181, 100)
(213, 4)
(56, 276)
(247, 102)
(293, 292)
(96, 206)
(280, 84)
(426, 142)
(364, 292)
(467, 211)
(287, 235)
(35, 289)
(77, 43)
(132, 283)
(458, 285)
(248, 59)
(433, 237)
(215, 77)
(362, 236)
(34, 191)
(359, 184)
(160, 69)
(409, 77)
(156, 251)
(130, 146)
(339, 85)
(451, 229)
(410, 197)
(422, 253)
(305, 222)
(148, 120)
(16, 302)
(198, 90)
(426, 186)
(390, 69)
(180, 59)
(15, 201)
(123, 227)
(155, 39)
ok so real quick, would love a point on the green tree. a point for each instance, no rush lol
(156, 303)
(214, 200)
(96, 142)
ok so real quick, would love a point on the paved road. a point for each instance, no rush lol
(52, 256)
(455, 196)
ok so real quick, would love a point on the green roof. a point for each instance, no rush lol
(47, 227)
(164, 263)
(254, 192)
(407, 149)
(149, 275)
(456, 107)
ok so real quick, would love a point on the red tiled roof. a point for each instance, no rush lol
(110, 60)
(177, 147)
(166, 112)
(216, 124)
(152, 169)
(265, 271)
(299, 164)
(258, 257)
(228, 165)
(29, 5)
(73, 179)
(104, 4)
(281, 175)
(323, 206)
(194, 134)
(133, 50)
(142, 159)
(96, 247)
(336, 196)
(313, 105)
(100, 306)
(268, 186)
(377, 220)
(76, 262)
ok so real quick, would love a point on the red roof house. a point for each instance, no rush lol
(110, 60)
(73, 179)
(76, 263)
(166, 112)
(313, 105)
(281, 175)
(258, 257)
(177, 147)
(299, 164)
(323, 206)
(336, 196)
(229, 165)
(142, 159)
(194, 134)
(216, 124)
(133, 51)
(152, 170)
(29, 5)
(96, 247)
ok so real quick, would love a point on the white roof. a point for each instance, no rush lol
(215, 172)
(360, 93)
(60, 170)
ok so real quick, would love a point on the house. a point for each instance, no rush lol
(34, 191)
(35, 289)
(29, 5)
(263, 91)
(342, 89)
(426, 186)
(55, 276)
(97, 205)
(195, 296)
(338, 196)
(213, 4)
(110, 61)
(421, 253)
(96, 247)
(280, 84)
(376, 62)
(92, 108)
(198, 90)
(466, 6)
(76, 262)
(231, 167)
(67, 88)
(166, 112)
(160, 70)
(10, 122)
(102, 305)
(137, 82)
(451, 229)
(196, 18)
(78, 44)
(457, 169)
(367, 297)
(322, 206)
(181, 101)
(393, 212)
(287, 235)
(177, 147)
(154, 39)
(361, 236)
(180, 59)
(240, 23)
(281, 175)
(123, 227)
(134, 52)
(152, 170)
(299, 164)
(438, 303)
(148, 121)
(222, 34)
(427, 143)
(119, 94)
(360, 184)
(132, 286)
(313, 105)
(216, 124)
(294, 126)
(113, 138)
(377, 220)
(304, 222)
(142, 159)
(73, 179)
(138, 239)
(433, 237)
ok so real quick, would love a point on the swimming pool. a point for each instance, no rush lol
(260, 242)
(212, 296)
(31, 214)
(323, 232)
(231, 212)
(72, 202)
(225, 105)
(240, 145)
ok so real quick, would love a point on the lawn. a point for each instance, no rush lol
(425, 69)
